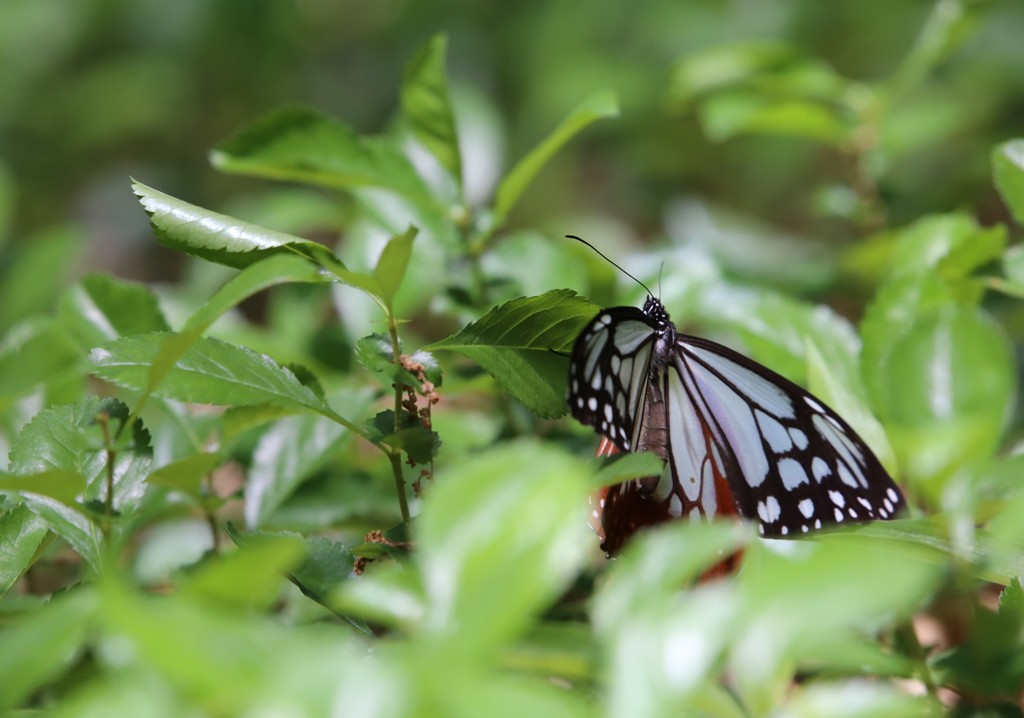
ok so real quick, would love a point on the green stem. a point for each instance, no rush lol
(932, 44)
(394, 455)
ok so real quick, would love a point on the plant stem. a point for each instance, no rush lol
(395, 455)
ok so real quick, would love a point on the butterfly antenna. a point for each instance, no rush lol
(660, 270)
(605, 258)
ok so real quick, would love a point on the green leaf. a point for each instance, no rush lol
(1008, 168)
(35, 272)
(857, 587)
(499, 526)
(287, 454)
(389, 594)
(60, 484)
(626, 467)
(600, 105)
(419, 443)
(302, 145)
(101, 307)
(21, 535)
(68, 442)
(186, 475)
(427, 106)
(392, 265)
(79, 530)
(891, 314)
(210, 372)
(737, 113)
(517, 343)
(34, 354)
(990, 662)
(775, 69)
(945, 393)
(327, 565)
(249, 577)
(226, 240)
(858, 699)
(256, 277)
(41, 646)
(256, 662)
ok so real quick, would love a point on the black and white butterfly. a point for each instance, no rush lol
(736, 437)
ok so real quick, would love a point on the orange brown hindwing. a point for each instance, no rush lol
(629, 511)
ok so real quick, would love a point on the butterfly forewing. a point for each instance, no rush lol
(736, 437)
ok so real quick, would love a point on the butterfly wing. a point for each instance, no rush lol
(609, 373)
(736, 437)
(790, 461)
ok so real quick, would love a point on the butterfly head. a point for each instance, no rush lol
(654, 309)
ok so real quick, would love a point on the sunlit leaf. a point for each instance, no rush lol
(226, 240)
(210, 372)
(499, 526)
(1008, 168)
(70, 441)
(393, 262)
(427, 106)
(286, 455)
(21, 535)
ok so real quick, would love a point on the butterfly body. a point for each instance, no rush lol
(736, 437)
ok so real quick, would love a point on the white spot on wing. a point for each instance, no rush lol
(768, 510)
(837, 498)
(774, 432)
(792, 473)
(806, 507)
(799, 438)
(820, 468)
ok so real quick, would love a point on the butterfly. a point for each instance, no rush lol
(736, 437)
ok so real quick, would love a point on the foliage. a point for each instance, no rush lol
(364, 502)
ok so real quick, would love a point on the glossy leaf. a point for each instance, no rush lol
(499, 526)
(520, 342)
(1008, 167)
(596, 107)
(69, 441)
(427, 105)
(286, 455)
(210, 372)
(945, 391)
(21, 535)
(225, 240)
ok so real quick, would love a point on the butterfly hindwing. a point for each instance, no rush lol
(800, 466)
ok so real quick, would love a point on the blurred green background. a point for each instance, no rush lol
(95, 91)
